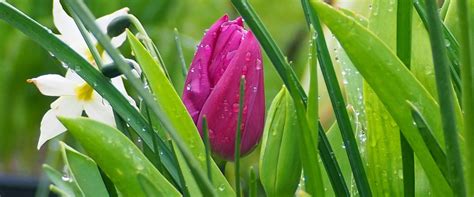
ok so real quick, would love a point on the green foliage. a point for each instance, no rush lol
(118, 157)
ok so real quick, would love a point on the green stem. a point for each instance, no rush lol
(207, 146)
(238, 137)
(443, 83)
(184, 70)
(466, 27)
(404, 40)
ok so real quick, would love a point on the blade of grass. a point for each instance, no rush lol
(179, 48)
(443, 83)
(404, 41)
(64, 53)
(280, 64)
(466, 27)
(327, 154)
(338, 102)
(207, 145)
(238, 137)
(430, 141)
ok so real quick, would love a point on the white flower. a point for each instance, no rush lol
(75, 95)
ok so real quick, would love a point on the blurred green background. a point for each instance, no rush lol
(22, 106)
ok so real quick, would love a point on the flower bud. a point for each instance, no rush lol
(226, 53)
(280, 165)
(111, 70)
(118, 25)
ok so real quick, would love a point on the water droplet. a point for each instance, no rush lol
(247, 56)
(345, 82)
(188, 87)
(343, 146)
(259, 64)
(221, 187)
(254, 89)
(192, 70)
(235, 107)
(66, 178)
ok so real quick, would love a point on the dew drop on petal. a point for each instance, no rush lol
(259, 64)
(247, 56)
(188, 87)
(235, 107)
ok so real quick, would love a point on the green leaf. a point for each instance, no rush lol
(280, 167)
(176, 112)
(392, 82)
(383, 135)
(84, 172)
(149, 188)
(117, 156)
(65, 185)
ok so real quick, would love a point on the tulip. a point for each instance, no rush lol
(226, 53)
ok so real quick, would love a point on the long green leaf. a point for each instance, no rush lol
(64, 53)
(117, 156)
(383, 133)
(84, 172)
(179, 118)
(392, 82)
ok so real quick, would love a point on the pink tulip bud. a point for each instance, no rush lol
(226, 53)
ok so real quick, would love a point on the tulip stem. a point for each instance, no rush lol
(207, 146)
(238, 136)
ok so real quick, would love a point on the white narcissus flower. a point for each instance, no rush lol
(75, 95)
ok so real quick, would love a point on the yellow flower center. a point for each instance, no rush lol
(84, 92)
(90, 57)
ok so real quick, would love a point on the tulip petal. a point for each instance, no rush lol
(222, 106)
(50, 125)
(54, 85)
(197, 85)
(228, 42)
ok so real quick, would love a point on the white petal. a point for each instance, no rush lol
(106, 59)
(104, 21)
(54, 85)
(100, 110)
(76, 43)
(50, 125)
(118, 83)
(64, 23)
(118, 41)
(73, 76)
